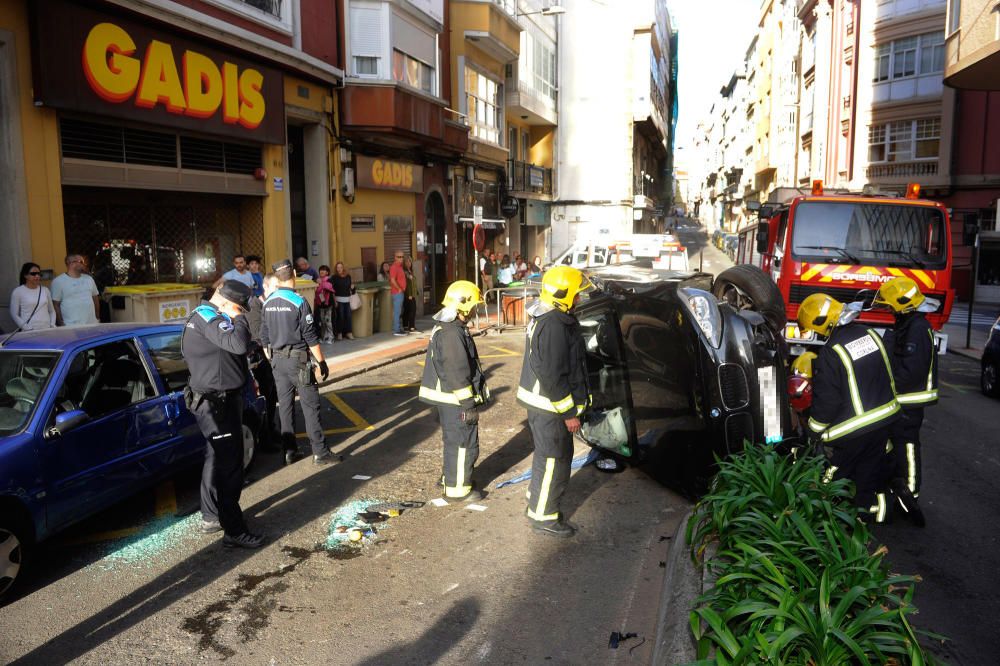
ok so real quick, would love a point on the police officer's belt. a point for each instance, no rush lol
(192, 398)
(292, 352)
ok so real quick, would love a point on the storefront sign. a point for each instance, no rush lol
(509, 208)
(104, 64)
(379, 174)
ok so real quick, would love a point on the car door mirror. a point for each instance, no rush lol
(67, 421)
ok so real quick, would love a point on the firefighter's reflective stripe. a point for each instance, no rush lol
(828, 475)
(861, 418)
(879, 508)
(446, 397)
(536, 399)
(543, 495)
(911, 468)
(930, 393)
(461, 488)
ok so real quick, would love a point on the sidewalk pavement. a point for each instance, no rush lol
(956, 340)
(347, 358)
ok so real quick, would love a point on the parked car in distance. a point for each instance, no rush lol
(671, 367)
(990, 364)
(88, 416)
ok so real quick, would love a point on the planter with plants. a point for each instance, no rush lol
(795, 578)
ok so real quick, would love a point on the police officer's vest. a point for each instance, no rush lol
(453, 390)
(872, 402)
(924, 391)
(576, 396)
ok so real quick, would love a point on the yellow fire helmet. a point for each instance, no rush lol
(803, 365)
(820, 313)
(560, 286)
(462, 296)
(900, 294)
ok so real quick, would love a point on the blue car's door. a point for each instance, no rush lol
(164, 351)
(89, 467)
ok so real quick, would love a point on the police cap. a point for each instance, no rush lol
(236, 292)
(279, 265)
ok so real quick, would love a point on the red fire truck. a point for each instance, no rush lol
(842, 244)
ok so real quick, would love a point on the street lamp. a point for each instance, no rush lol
(554, 10)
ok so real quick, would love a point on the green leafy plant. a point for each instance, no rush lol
(796, 581)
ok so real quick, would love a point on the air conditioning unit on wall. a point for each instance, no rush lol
(347, 186)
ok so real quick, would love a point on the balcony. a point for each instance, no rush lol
(523, 177)
(901, 170)
(488, 26)
(527, 103)
(390, 113)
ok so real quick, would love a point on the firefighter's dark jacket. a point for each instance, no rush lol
(215, 347)
(554, 372)
(853, 390)
(910, 345)
(287, 321)
(452, 374)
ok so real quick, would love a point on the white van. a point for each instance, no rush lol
(663, 249)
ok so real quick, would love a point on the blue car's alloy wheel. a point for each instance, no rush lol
(11, 550)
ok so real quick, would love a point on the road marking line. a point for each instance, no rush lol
(110, 535)
(165, 503)
(957, 387)
(359, 389)
(345, 409)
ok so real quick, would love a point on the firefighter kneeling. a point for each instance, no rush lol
(910, 344)
(554, 389)
(453, 381)
(854, 400)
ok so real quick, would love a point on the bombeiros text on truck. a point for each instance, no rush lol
(842, 244)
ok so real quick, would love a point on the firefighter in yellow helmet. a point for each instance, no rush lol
(454, 382)
(554, 389)
(854, 400)
(910, 344)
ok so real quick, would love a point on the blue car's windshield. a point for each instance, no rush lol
(23, 376)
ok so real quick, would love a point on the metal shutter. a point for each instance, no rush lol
(412, 40)
(366, 32)
(394, 241)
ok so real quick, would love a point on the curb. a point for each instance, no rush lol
(682, 585)
(974, 354)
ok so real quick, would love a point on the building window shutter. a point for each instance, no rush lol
(366, 32)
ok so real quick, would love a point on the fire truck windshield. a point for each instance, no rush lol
(879, 234)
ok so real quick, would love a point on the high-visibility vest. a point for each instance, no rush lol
(575, 395)
(928, 394)
(866, 416)
(467, 382)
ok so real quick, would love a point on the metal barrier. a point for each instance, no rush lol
(511, 304)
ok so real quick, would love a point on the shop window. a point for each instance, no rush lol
(362, 223)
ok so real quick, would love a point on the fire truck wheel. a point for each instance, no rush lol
(746, 287)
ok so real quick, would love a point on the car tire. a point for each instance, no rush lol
(746, 287)
(15, 550)
(250, 440)
(989, 380)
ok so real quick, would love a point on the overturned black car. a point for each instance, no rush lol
(676, 375)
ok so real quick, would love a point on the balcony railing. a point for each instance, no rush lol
(525, 177)
(901, 170)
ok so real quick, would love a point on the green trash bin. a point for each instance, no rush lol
(363, 318)
(384, 321)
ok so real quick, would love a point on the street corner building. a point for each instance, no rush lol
(159, 139)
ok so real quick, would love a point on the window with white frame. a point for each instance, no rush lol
(367, 41)
(909, 56)
(484, 106)
(410, 71)
(954, 15)
(904, 140)
(537, 65)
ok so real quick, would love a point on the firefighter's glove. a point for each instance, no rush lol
(324, 370)
(470, 416)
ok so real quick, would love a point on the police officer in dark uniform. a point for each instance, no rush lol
(554, 389)
(261, 367)
(453, 381)
(215, 343)
(289, 334)
(854, 400)
(912, 352)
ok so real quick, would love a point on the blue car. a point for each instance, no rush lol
(89, 416)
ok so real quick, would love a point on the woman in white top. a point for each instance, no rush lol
(31, 304)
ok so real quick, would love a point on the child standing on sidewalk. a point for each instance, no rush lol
(323, 303)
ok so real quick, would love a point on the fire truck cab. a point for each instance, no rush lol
(847, 245)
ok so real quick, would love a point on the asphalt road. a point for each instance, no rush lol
(447, 585)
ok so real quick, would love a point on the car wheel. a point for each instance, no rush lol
(746, 287)
(249, 444)
(14, 548)
(988, 381)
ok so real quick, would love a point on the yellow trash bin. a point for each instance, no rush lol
(170, 303)
(362, 319)
(384, 321)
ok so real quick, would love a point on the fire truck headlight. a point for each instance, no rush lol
(703, 307)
